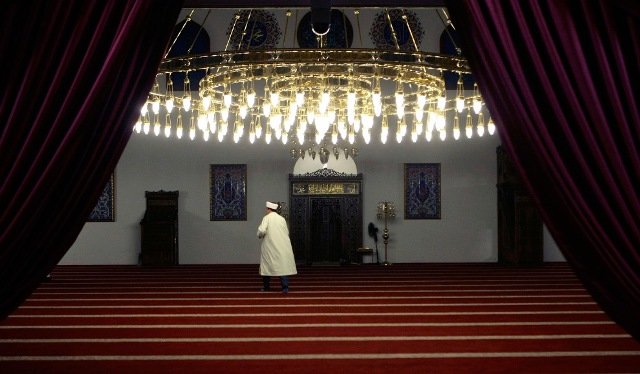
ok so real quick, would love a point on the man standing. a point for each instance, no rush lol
(276, 254)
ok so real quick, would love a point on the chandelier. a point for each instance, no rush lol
(316, 99)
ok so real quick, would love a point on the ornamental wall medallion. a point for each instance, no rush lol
(382, 36)
(254, 29)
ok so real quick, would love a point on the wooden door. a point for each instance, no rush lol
(326, 230)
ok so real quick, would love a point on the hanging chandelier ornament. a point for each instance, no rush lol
(326, 97)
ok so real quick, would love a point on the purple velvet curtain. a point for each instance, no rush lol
(560, 79)
(76, 74)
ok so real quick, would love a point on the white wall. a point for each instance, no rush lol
(467, 231)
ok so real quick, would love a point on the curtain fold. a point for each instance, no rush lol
(78, 73)
(559, 79)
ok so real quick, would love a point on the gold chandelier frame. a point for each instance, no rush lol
(313, 95)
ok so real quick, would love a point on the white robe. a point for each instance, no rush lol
(276, 254)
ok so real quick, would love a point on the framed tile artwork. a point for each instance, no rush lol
(228, 192)
(104, 211)
(422, 191)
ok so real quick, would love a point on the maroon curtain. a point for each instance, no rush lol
(77, 73)
(561, 81)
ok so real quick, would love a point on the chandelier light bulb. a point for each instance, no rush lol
(212, 127)
(351, 100)
(311, 116)
(419, 128)
(156, 128)
(251, 99)
(169, 104)
(179, 126)
(300, 98)
(400, 111)
(440, 122)
(211, 119)
(428, 135)
(468, 131)
(227, 99)
(414, 136)
(243, 111)
(138, 126)
(155, 105)
(419, 114)
(144, 109)
(367, 137)
(477, 105)
(352, 137)
(258, 130)
(442, 102)
(203, 122)
(491, 127)
(146, 127)
(443, 135)
(205, 135)
(275, 99)
(186, 103)
(422, 100)
(398, 137)
(402, 128)
(377, 109)
(326, 99)
(480, 129)
(399, 99)
(459, 104)
(192, 133)
(383, 137)
(220, 136)
(252, 137)
(356, 124)
(167, 130)
(224, 114)
(276, 122)
(206, 102)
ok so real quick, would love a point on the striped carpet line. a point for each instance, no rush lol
(316, 339)
(407, 289)
(572, 285)
(309, 325)
(295, 305)
(297, 297)
(335, 356)
(399, 314)
(334, 278)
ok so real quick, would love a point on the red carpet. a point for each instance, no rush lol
(357, 319)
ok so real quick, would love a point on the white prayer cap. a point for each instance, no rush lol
(271, 205)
